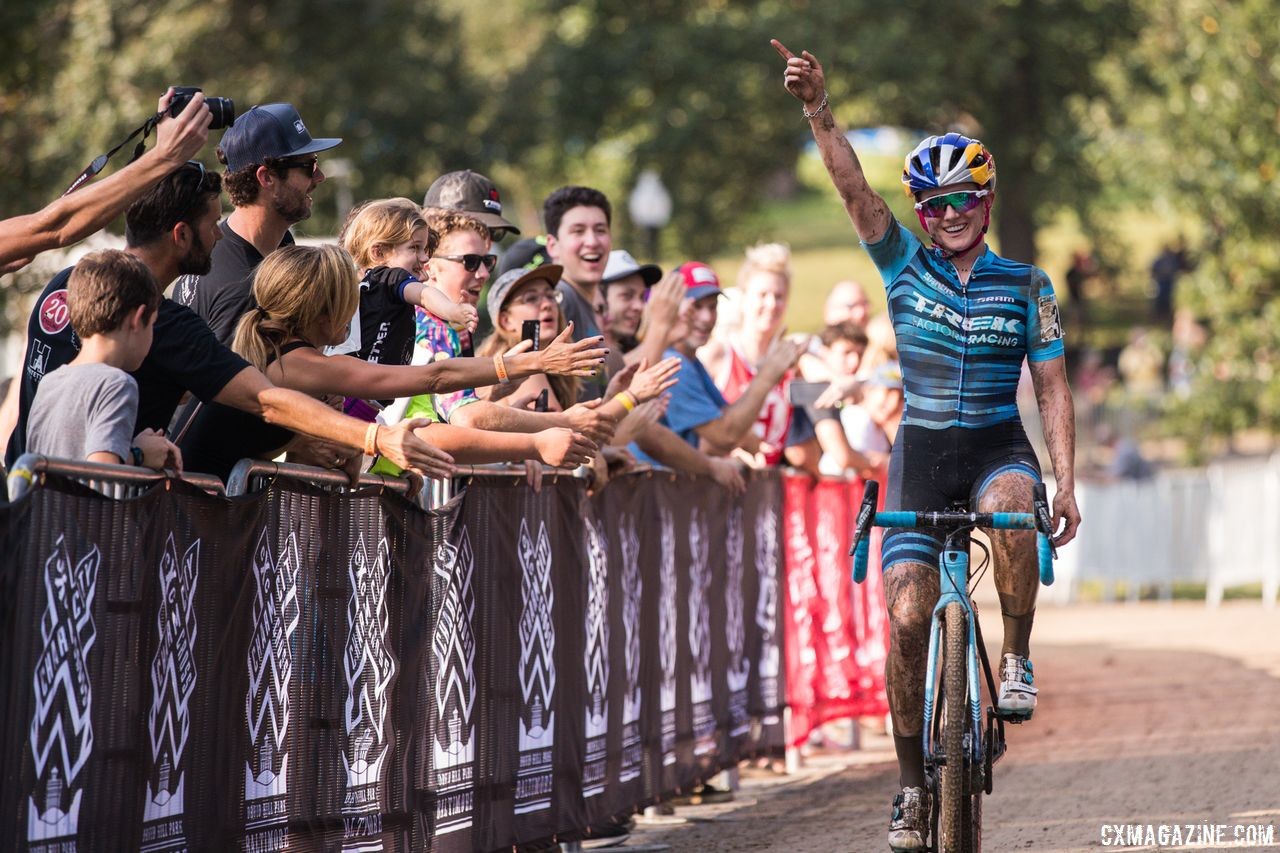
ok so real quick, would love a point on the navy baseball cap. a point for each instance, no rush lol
(269, 130)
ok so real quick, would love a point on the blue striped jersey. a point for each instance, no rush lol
(961, 346)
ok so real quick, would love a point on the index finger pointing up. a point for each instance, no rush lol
(781, 49)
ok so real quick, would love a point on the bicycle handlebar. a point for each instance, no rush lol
(1039, 520)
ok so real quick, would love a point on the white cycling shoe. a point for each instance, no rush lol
(909, 825)
(1017, 687)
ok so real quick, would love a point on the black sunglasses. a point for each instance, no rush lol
(310, 164)
(470, 262)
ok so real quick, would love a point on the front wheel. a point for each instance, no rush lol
(959, 800)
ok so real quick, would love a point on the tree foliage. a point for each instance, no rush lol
(1196, 133)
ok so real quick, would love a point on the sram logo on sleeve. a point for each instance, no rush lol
(54, 314)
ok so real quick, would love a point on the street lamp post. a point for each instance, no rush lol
(650, 207)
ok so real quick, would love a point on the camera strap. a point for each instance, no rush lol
(100, 162)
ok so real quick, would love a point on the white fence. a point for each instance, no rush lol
(1219, 526)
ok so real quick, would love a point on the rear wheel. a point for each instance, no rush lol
(959, 799)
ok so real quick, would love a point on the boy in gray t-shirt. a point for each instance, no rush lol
(86, 410)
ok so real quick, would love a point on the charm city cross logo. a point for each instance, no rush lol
(453, 646)
(735, 629)
(173, 681)
(770, 663)
(632, 589)
(267, 707)
(699, 635)
(54, 314)
(667, 637)
(368, 666)
(537, 672)
(61, 734)
(596, 662)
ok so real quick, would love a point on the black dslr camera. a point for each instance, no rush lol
(223, 109)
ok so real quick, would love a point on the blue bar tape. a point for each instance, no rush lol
(895, 519)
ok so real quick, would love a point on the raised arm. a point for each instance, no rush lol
(71, 218)
(1058, 414)
(806, 81)
(734, 424)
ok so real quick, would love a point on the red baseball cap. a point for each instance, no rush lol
(699, 280)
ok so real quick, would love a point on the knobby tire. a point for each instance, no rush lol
(960, 818)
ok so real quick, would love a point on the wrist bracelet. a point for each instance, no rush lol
(500, 366)
(627, 399)
(820, 108)
(371, 440)
(136, 453)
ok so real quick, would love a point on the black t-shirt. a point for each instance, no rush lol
(220, 436)
(222, 296)
(386, 321)
(184, 356)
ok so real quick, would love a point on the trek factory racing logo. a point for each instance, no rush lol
(61, 728)
(990, 329)
(173, 681)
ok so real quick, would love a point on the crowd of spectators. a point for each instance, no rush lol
(405, 346)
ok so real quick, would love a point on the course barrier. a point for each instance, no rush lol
(836, 631)
(1206, 526)
(327, 668)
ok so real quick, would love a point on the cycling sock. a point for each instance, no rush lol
(910, 751)
(1017, 632)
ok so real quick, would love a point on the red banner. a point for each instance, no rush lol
(836, 631)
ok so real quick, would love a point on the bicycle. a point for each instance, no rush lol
(955, 649)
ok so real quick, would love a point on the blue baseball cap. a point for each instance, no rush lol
(269, 130)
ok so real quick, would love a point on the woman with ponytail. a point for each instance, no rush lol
(305, 298)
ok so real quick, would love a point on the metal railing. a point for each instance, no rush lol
(114, 481)
(254, 475)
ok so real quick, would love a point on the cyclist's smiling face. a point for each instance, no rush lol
(953, 230)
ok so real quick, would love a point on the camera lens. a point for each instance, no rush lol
(224, 112)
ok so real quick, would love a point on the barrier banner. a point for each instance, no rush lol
(836, 631)
(301, 669)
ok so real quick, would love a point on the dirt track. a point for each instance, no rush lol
(1150, 714)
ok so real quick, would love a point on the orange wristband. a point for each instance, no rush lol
(500, 367)
(371, 440)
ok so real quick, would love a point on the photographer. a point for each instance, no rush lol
(73, 217)
(272, 168)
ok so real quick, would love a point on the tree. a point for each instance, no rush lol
(1193, 130)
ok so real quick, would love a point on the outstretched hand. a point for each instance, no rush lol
(803, 77)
